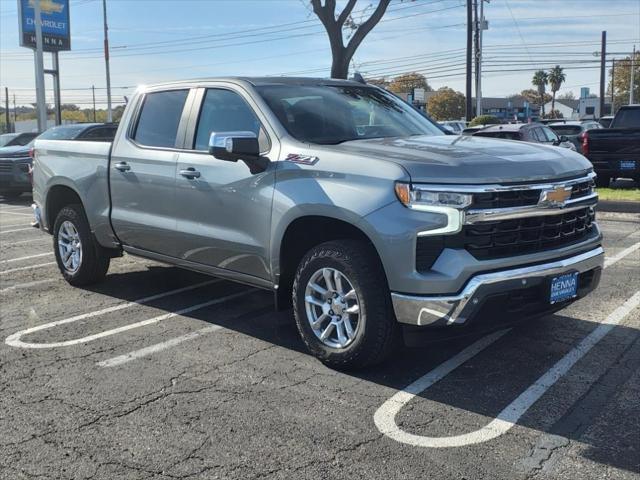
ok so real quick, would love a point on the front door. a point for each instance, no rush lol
(143, 175)
(224, 209)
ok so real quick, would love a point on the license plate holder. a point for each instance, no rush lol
(627, 164)
(563, 287)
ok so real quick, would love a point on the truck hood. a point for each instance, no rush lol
(473, 160)
(15, 151)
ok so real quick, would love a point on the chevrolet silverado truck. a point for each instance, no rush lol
(349, 205)
(615, 151)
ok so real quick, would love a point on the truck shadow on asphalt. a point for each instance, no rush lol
(482, 386)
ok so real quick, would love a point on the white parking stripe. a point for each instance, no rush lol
(384, 417)
(27, 285)
(18, 230)
(14, 340)
(143, 352)
(16, 213)
(25, 258)
(620, 255)
(6, 225)
(31, 240)
(30, 267)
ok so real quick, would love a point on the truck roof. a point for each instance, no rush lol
(263, 81)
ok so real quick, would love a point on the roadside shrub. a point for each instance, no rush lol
(484, 120)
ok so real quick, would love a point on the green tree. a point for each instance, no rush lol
(335, 26)
(484, 120)
(540, 80)
(622, 79)
(556, 79)
(407, 82)
(446, 104)
(74, 116)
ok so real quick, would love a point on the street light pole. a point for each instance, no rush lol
(106, 59)
(603, 69)
(469, 101)
(633, 58)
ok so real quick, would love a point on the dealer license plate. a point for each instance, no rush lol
(564, 287)
(627, 164)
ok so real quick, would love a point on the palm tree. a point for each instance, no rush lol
(556, 79)
(540, 80)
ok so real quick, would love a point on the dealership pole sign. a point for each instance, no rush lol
(55, 24)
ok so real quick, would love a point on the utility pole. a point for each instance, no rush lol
(39, 63)
(613, 87)
(633, 58)
(15, 112)
(480, 27)
(106, 59)
(469, 103)
(603, 69)
(6, 110)
(93, 91)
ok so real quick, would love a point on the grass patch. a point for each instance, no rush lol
(619, 194)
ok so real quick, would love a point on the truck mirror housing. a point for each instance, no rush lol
(234, 146)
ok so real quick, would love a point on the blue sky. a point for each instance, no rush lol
(159, 40)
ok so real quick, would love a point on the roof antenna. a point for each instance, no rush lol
(358, 78)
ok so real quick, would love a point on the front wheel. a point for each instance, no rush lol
(342, 305)
(81, 260)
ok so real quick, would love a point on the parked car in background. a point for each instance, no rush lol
(16, 139)
(454, 126)
(16, 161)
(526, 132)
(606, 121)
(362, 223)
(573, 130)
(615, 152)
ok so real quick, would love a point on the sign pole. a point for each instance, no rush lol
(106, 60)
(56, 86)
(39, 64)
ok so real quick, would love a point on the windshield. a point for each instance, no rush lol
(627, 118)
(64, 132)
(335, 114)
(6, 138)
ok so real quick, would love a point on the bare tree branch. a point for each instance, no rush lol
(366, 27)
(346, 12)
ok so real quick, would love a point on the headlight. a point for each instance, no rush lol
(419, 197)
(449, 204)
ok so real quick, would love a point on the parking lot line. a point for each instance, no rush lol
(31, 240)
(6, 225)
(143, 352)
(30, 267)
(16, 213)
(17, 230)
(27, 285)
(14, 340)
(19, 259)
(620, 255)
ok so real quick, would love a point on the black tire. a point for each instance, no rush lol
(377, 333)
(94, 261)
(11, 194)
(603, 181)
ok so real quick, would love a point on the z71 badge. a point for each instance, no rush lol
(303, 159)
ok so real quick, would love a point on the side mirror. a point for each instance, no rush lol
(234, 146)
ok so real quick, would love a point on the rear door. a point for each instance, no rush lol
(143, 172)
(225, 208)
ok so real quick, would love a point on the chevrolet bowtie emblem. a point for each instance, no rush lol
(556, 197)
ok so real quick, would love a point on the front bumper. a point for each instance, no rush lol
(466, 306)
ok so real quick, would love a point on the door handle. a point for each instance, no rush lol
(122, 166)
(190, 173)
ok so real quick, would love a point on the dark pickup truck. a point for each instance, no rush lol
(615, 152)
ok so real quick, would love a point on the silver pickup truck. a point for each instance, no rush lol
(344, 201)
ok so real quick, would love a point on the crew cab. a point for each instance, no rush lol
(615, 151)
(346, 203)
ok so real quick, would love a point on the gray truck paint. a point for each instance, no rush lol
(231, 223)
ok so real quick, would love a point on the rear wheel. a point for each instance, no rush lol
(603, 181)
(342, 305)
(80, 258)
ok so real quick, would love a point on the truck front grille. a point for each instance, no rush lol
(523, 198)
(490, 240)
(6, 166)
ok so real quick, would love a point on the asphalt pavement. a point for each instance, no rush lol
(160, 373)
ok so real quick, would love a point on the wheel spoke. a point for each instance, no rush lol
(353, 309)
(351, 295)
(321, 290)
(67, 254)
(314, 301)
(342, 339)
(337, 278)
(347, 326)
(326, 273)
(327, 331)
(319, 321)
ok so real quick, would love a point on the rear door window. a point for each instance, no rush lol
(99, 134)
(159, 118)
